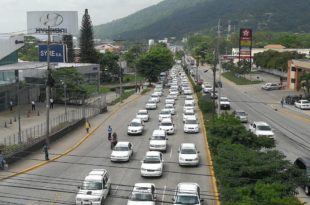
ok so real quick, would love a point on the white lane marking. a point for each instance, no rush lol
(170, 151)
(116, 188)
(162, 200)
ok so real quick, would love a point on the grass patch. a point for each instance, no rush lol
(145, 91)
(125, 95)
(90, 89)
(239, 80)
(130, 78)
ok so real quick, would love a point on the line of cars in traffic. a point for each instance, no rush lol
(97, 184)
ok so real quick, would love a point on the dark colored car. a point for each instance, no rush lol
(291, 99)
(304, 164)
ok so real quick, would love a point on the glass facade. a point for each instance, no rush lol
(10, 59)
(7, 77)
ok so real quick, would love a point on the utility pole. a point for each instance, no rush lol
(48, 87)
(219, 63)
(120, 84)
(18, 104)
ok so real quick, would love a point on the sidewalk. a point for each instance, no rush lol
(62, 147)
(31, 119)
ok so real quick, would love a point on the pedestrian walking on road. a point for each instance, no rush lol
(51, 103)
(11, 105)
(87, 126)
(139, 87)
(33, 105)
(282, 102)
(2, 161)
(110, 133)
(45, 150)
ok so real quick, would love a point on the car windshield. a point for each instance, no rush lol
(241, 113)
(141, 197)
(135, 124)
(166, 124)
(92, 185)
(191, 122)
(151, 160)
(189, 113)
(120, 148)
(188, 151)
(188, 105)
(263, 127)
(304, 101)
(224, 100)
(169, 106)
(158, 138)
(186, 199)
(166, 112)
(142, 113)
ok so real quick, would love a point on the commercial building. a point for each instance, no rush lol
(295, 69)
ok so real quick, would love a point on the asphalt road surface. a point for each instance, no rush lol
(56, 183)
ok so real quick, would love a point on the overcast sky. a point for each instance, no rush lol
(13, 12)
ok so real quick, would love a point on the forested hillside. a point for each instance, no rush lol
(179, 17)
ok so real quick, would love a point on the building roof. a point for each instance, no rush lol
(302, 64)
(274, 46)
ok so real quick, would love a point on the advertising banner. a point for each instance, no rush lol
(60, 22)
(245, 43)
(57, 53)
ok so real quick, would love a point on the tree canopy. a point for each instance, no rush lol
(156, 60)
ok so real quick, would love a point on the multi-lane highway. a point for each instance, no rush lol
(57, 182)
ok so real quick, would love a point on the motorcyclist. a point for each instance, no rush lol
(114, 140)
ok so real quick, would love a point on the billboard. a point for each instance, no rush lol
(57, 53)
(60, 22)
(245, 43)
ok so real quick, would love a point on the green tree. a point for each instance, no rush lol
(88, 53)
(68, 40)
(30, 51)
(158, 59)
(133, 55)
(72, 78)
(109, 64)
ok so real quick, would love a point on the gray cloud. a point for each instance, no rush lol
(13, 12)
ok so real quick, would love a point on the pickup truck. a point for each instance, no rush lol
(272, 86)
(261, 129)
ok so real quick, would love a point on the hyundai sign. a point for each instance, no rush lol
(60, 22)
(57, 53)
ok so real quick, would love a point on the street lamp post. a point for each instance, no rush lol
(65, 95)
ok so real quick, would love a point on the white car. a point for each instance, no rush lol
(170, 101)
(143, 194)
(207, 88)
(152, 164)
(187, 193)
(151, 106)
(164, 113)
(188, 106)
(167, 125)
(188, 113)
(174, 97)
(95, 188)
(174, 92)
(188, 155)
(191, 125)
(189, 97)
(122, 152)
(187, 102)
(261, 129)
(135, 127)
(159, 93)
(171, 108)
(302, 104)
(224, 103)
(158, 141)
(155, 98)
(188, 91)
(143, 115)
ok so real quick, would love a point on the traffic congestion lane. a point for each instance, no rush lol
(77, 166)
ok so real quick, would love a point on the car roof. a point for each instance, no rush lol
(191, 118)
(152, 153)
(166, 120)
(122, 144)
(143, 110)
(188, 145)
(187, 187)
(136, 120)
(143, 187)
(189, 111)
(261, 123)
(158, 132)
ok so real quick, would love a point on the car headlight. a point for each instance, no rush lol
(181, 158)
(78, 199)
(159, 169)
(142, 169)
(196, 158)
(96, 199)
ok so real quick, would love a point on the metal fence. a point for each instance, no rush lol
(92, 107)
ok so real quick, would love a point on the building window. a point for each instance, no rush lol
(292, 80)
(293, 69)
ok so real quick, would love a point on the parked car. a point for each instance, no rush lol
(95, 188)
(304, 164)
(272, 86)
(188, 155)
(291, 99)
(303, 104)
(187, 193)
(122, 152)
(241, 115)
(143, 193)
(261, 129)
(152, 164)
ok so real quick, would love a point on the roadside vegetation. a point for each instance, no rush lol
(238, 79)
